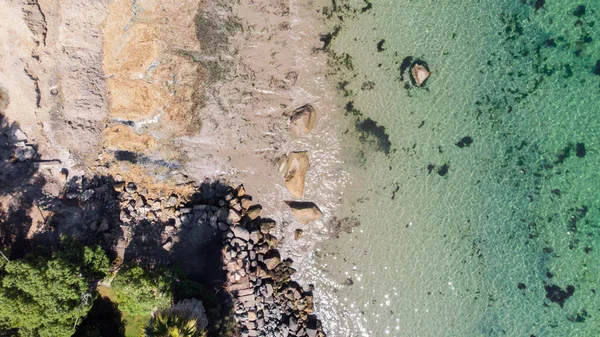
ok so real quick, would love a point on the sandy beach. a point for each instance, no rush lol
(164, 95)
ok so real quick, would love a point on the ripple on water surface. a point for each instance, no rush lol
(477, 193)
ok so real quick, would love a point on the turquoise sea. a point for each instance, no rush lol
(478, 194)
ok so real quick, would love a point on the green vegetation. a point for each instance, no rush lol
(185, 319)
(53, 293)
(171, 326)
(133, 324)
(48, 294)
(139, 292)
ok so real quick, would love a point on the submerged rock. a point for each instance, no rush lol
(305, 212)
(295, 173)
(303, 120)
(419, 73)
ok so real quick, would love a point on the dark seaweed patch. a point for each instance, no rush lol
(380, 45)
(342, 86)
(430, 168)
(465, 141)
(395, 191)
(442, 170)
(563, 155)
(538, 4)
(405, 65)
(550, 43)
(370, 127)
(596, 69)
(568, 70)
(349, 106)
(580, 150)
(579, 214)
(367, 7)
(368, 85)
(350, 109)
(328, 37)
(557, 295)
(579, 11)
(521, 286)
(513, 28)
(578, 317)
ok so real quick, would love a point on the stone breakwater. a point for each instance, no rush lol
(267, 301)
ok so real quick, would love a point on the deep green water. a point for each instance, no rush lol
(499, 236)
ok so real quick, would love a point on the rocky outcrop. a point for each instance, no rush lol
(295, 170)
(303, 120)
(305, 212)
(419, 73)
(267, 301)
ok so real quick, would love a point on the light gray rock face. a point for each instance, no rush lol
(233, 217)
(295, 170)
(241, 232)
(303, 120)
(173, 201)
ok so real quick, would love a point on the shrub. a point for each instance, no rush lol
(47, 296)
(139, 292)
(185, 319)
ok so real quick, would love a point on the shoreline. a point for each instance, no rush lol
(151, 76)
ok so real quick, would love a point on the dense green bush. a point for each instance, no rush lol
(139, 291)
(47, 295)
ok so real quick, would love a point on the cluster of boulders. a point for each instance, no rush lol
(294, 166)
(136, 205)
(267, 302)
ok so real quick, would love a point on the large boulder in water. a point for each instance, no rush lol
(303, 120)
(295, 170)
(305, 212)
(419, 73)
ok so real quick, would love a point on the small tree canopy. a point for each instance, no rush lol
(139, 291)
(46, 295)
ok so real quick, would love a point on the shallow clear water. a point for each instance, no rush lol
(495, 237)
